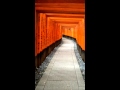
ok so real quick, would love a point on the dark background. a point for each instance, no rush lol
(17, 45)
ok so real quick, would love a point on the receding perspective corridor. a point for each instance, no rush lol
(63, 72)
(59, 44)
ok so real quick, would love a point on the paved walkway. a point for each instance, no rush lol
(63, 72)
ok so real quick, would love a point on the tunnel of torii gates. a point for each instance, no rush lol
(52, 21)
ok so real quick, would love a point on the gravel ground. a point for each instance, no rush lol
(39, 71)
(80, 61)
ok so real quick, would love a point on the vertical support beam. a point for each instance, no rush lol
(35, 43)
(41, 33)
(35, 34)
(43, 30)
(47, 32)
(38, 39)
(84, 33)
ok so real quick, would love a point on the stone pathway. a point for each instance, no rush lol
(63, 71)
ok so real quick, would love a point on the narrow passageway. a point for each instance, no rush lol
(63, 72)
